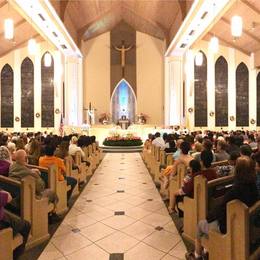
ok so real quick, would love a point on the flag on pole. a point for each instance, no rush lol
(61, 128)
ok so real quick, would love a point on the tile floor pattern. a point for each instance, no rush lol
(141, 228)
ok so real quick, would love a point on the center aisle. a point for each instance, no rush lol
(119, 212)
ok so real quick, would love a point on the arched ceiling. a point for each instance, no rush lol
(86, 19)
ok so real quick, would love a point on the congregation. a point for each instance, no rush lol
(46, 169)
(231, 160)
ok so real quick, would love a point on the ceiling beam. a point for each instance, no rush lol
(21, 44)
(63, 6)
(182, 5)
(249, 34)
(230, 44)
(3, 4)
(252, 7)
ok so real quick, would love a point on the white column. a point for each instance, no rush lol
(17, 89)
(173, 91)
(252, 93)
(37, 90)
(73, 91)
(211, 89)
(231, 88)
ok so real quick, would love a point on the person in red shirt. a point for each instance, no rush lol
(197, 168)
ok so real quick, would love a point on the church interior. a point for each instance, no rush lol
(130, 129)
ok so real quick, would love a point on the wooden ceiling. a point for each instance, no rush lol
(249, 42)
(90, 18)
(23, 31)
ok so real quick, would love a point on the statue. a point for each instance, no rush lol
(90, 115)
(123, 49)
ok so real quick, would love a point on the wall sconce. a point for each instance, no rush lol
(211, 114)
(57, 111)
(252, 121)
(17, 119)
(37, 115)
(190, 109)
(232, 118)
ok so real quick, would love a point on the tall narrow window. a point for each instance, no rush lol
(242, 96)
(258, 98)
(221, 92)
(47, 75)
(7, 96)
(27, 93)
(200, 93)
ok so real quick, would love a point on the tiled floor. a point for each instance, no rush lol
(142, 229)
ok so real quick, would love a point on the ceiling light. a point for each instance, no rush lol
(199, 59)
(214, 44)
(32, 47)
(47, 59)
(236, 26)
(9, 28)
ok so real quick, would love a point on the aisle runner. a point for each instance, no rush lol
(119, 215)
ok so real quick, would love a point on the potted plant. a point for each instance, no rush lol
(142, 118)
(104, 118)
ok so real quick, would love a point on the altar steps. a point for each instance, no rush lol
(122, 149)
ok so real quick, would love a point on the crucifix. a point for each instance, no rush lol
(123, 49)
(90, 114)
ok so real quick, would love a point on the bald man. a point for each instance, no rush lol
(18, 170)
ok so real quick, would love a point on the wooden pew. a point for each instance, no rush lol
(8, 243)
(98, 152)
(207, 195)
(156, 161)
(68, 161)
(92, 157)
(177, 180)
(88, 157)
(60, 187)
(235, 244)
(82, 166)
(31, 209)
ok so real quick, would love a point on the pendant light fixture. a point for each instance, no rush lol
(32, 46)
(199, 59)
(9, 29)
(47, 59)
(214, 44)
(236, 26)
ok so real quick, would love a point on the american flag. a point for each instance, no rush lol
(61, 128)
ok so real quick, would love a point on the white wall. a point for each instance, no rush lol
(14, 59)
(150, 75)
(234, 58)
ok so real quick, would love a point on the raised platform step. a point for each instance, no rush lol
(122, 149)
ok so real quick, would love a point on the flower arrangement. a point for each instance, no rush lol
(142, 118)
(128, 139)
(104, 118)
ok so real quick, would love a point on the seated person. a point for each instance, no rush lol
(170, 146)
(244, 189)
(256, 157)
(73, 148)
(207, 145)
(207, 172)
(17, 224)
(197, 150)
(49, 159)
(177, 154)
(194, 168)
(5, 161)
(18, 170)
(226, 170)
(158, 141)
(221, 154)
(245, 150)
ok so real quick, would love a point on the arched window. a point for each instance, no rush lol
(221, 92)
(7, 96)
(47, 76)
(27, 93)
(123, 102)
(200, 93)
(258, 98)
(242, 97)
